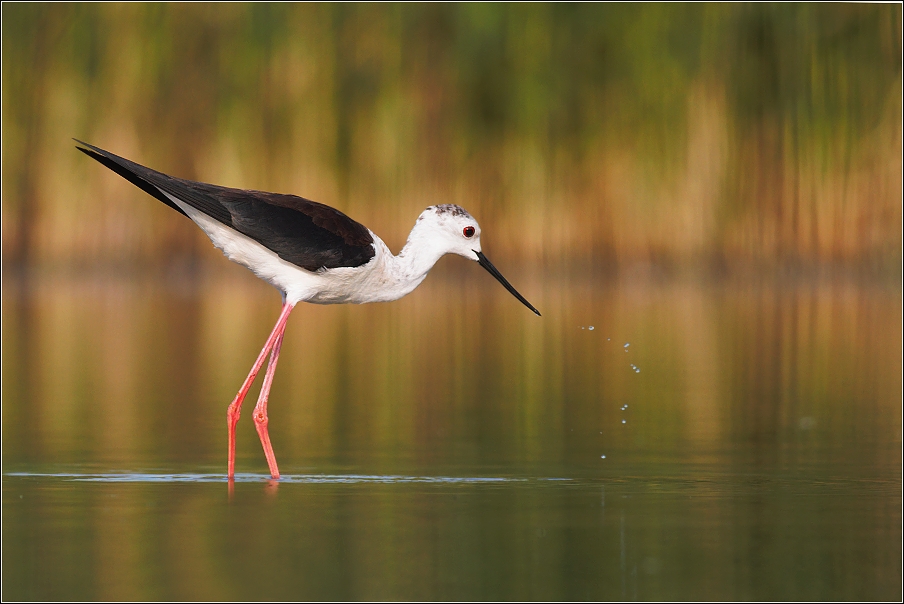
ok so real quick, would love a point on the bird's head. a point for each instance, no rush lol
(453, 231)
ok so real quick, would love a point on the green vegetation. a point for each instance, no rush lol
(604, 135)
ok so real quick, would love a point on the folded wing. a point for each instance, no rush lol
(308, 234)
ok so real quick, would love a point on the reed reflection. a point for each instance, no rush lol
(717, 452)
(450, 375)
(718, 186)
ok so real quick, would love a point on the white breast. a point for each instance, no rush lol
(375, 281)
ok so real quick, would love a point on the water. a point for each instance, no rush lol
(448, 446)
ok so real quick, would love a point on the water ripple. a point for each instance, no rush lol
(288, 478)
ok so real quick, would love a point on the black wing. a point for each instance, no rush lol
(306, 233)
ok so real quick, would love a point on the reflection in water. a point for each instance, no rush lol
(760, 454)
(269, 482)
(760, 458)
(125, 374)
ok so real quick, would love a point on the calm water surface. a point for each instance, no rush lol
(746, 444)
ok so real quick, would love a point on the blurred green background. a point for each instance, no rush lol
(717, 185)
(715, 137)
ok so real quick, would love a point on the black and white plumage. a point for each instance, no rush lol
(309, 251)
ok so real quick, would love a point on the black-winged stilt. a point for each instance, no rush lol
(310, 252)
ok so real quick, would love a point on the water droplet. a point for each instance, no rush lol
(624, 421)
(582, 327)
(602, 457)
(636, 370)
(628, 344)
(590, 328)
(608, 339)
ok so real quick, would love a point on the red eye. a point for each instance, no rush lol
(468, 231)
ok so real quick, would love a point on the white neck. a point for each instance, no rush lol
(411, 266)
(386, 277)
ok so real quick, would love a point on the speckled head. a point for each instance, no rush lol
(451, 209)
(443, 210)
(449, 229)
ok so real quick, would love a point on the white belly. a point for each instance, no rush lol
(371, 282)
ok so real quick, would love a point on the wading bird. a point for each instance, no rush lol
(310, 252)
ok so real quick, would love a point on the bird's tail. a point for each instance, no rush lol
(128, 170)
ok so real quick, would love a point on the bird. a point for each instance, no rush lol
(308, 251)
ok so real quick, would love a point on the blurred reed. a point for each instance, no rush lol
(718, 136)
(120, 373)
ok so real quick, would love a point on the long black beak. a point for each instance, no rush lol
(482, 261)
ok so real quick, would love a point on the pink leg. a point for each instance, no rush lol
(260, 410)
(235, 407)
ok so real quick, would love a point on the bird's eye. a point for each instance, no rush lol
(468, 231)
